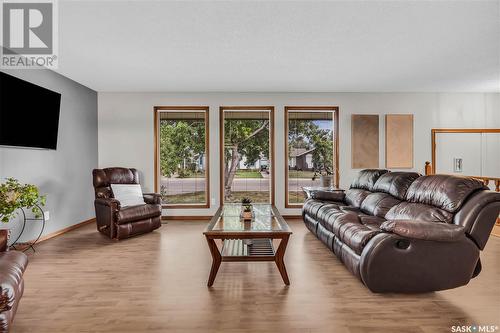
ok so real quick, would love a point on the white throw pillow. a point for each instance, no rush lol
(128, 194)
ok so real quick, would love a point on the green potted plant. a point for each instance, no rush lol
(246, 209)
(323, 161)
(14, 195)
(325, 175)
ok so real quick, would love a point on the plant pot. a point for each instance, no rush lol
(326, 181)
(247, 216)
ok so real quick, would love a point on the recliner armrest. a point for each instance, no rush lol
(3, 240)
(336, 196)
(152, 198)
(110, 202)
(433, 231)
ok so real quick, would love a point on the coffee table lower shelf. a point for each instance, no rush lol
(236, 250)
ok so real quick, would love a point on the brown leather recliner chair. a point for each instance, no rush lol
(117, 222)
(402, 232)
(12, 267)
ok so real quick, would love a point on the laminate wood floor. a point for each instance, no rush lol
(83, 282)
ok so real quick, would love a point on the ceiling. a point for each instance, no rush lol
(281, 46)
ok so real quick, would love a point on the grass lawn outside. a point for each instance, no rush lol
(199, 197)
(256, 196)
(197, 175)
(300, 174)
(193, 175)
(185, 198)
(248, 174)
(296, 197)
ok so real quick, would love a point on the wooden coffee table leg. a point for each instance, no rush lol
(216, 260)
(280, 253)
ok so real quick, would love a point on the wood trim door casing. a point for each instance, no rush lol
(335, 110)
(206, 109)
(435, 131)
(269, 109)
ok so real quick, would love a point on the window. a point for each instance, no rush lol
(311, 148)
(247, 153)
(181, 156)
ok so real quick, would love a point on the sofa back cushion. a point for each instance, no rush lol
(355, 196)
(395, 183)
(362, 186)
(446, 192)
(367, 178)
(435, 198)
(378, 204)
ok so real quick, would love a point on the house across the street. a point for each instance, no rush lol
(301, 159)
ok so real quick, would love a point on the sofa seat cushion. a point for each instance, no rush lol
(311, 207)
(137, 213)
(349, 229)
(314, 207)
(350, 209)
(372, 222)
(325, 210)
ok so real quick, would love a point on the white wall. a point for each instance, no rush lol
(126, 136)
(480, 153)
(63, 175)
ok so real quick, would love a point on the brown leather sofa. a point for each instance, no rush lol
(12, 267)
(122, 222)
(403, 232)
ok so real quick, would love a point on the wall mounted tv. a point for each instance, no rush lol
(29, 114)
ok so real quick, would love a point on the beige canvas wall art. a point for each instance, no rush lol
(399, 141)
(364, 141)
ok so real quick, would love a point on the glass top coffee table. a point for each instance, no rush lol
(247, 241)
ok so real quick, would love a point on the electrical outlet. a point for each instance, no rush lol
(457, 164)
(47, 215)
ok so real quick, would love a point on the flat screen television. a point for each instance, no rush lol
(29, 114)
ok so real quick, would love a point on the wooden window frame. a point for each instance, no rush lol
(157, 110)
(335, 110)
(269, 109)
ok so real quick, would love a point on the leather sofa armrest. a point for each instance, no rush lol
(110, 202)
(3, 240)
(337, 196)
(152, 198)
(432, 231)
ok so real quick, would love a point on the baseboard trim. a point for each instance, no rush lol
(186, 218)
(65, 230)
(207, 218)
(292, 217)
